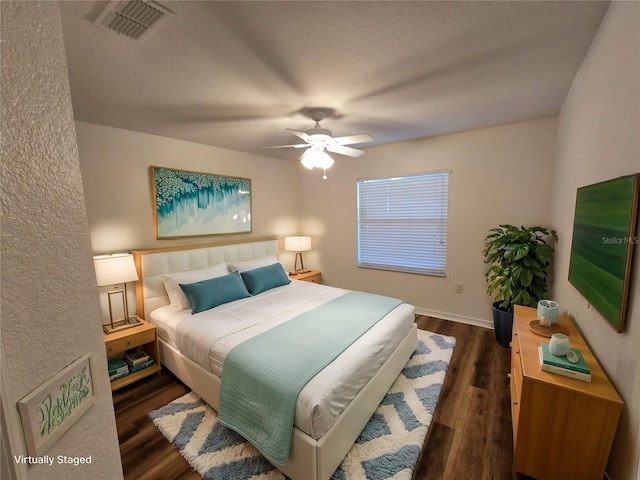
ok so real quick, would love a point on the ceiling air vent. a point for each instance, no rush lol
(133, 18)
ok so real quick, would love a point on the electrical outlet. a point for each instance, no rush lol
(459, 288)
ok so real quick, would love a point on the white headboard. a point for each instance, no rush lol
(150, 292)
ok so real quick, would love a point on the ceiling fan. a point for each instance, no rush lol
(318, 139)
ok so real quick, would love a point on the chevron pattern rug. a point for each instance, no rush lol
(387, 448)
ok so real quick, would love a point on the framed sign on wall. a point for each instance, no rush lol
(188, 204)
(52, 408)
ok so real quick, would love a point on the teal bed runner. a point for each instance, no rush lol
(262, 377)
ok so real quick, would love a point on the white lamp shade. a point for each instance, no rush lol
(297, 244)
(114, 269)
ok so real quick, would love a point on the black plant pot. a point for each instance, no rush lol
(502, 324)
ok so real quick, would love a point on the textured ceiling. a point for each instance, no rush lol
(236, 74)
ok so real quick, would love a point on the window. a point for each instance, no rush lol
(402, 223)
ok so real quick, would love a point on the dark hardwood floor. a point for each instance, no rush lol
(469, 437)
(146, 454)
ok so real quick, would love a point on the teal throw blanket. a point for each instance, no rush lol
(262, 377)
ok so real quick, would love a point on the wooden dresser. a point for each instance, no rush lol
(562, 427)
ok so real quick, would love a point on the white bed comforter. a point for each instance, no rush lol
(208, 336)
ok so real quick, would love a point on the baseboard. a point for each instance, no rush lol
(478, 322)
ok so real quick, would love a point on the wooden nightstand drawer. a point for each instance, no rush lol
(125, 343)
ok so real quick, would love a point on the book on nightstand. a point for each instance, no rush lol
(117, 365)
(561, 366)
(136, 358)
(118, 375)
(142, 366)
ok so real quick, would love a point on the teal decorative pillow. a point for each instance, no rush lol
(210, 293)
(264, 278)
(173, 280)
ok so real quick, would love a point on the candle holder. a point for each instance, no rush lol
(559, 344)
(548, 309)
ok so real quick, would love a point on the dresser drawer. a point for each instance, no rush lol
(121, 344)
(515, 385)
(516, 372)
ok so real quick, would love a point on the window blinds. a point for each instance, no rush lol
(402, 223)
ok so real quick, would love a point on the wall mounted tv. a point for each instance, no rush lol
(602, 247)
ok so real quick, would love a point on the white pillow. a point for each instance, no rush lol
(247, 265)
(172, 282)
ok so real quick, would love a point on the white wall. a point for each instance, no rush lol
(50, 307)
(598, 139)
(499, 175)
(115, 172)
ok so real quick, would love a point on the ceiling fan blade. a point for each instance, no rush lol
(342, 150)
(297, 145)
(302, 135)
(349, 139)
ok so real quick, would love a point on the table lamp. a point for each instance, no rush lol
(298, 245)
(114, 270)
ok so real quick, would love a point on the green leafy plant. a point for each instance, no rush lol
(519, 260)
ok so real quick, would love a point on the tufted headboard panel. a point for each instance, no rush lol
(150, 292)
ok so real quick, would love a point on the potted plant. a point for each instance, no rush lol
(519, 260)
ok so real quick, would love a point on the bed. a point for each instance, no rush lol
(327, 419)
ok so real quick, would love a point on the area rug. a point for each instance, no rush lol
(387, 448)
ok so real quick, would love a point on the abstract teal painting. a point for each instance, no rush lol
(602, 246)
(189, 204)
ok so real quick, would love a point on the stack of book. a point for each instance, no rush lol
(118, 368)
(138, 360)
(560, 365)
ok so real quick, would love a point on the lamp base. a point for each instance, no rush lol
(298, 272)
(121, 325)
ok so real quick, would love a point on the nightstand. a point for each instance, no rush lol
(143, 337)
(312, 276)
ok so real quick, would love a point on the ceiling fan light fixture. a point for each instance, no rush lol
(319, 140)
(307, 160)
(316, 158)
(324, 161)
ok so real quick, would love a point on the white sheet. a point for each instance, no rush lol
(327, 394)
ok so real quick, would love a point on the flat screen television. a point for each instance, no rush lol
(603, 242)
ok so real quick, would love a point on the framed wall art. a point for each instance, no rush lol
(52, 408)
(188, 204)
(602, 247)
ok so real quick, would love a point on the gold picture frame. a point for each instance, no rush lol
(190, 204)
